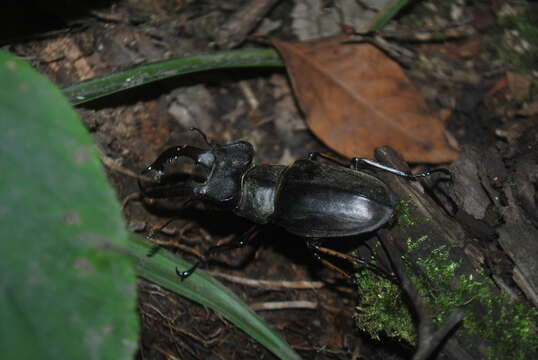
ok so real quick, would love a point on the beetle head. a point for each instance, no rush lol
(224, 165)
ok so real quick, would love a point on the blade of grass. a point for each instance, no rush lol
(387, 14)
(143, 74)
(204, 289)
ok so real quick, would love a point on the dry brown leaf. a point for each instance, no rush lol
(356, 99)
(499, 87)
(519, 85)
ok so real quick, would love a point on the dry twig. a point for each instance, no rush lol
(282, 305)
(270, 284)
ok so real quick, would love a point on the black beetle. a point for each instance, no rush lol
(309, 198)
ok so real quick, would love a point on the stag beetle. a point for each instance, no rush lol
(309, 198)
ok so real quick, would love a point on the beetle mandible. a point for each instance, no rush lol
(309, 198)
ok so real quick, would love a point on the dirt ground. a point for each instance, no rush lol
(491, 107)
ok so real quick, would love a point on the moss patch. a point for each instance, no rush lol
(509, 326)
(519, 41)
(382, 310)
(404, 210)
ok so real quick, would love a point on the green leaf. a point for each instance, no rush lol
(204, 289)
(68, 288)
(144, 74)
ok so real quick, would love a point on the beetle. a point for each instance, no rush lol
(311, 198)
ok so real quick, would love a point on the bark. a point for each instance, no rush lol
(491, 324)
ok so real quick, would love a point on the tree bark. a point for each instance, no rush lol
(445, 263)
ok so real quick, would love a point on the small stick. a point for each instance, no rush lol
(269, 284)
(243, 22)
(282, 305)
(113, 165)
(174, 244)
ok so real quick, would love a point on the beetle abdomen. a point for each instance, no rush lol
(318, 200)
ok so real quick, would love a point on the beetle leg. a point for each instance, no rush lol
(186, 273)
(357, 260)
(314, 245)
(160, 228)
(356, 162)
(240, 242)
(154, 249)
(337, 254)
(406, 174)
(333, 267)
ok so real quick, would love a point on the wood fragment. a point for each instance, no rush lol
(234, 32)
(439, 231)
(283, 305)
(269, 284)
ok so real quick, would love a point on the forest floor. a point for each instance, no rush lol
(484, 85)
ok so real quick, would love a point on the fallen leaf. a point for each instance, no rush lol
(469, 48)
(463, 49)
(356, 99)
(499, 86)
(519, 85)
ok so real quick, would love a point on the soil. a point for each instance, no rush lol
(489, 104)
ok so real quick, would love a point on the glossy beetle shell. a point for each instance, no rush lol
(309, 198)
(258, 192)
(315, 199)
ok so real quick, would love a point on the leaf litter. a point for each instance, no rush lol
(355, 99)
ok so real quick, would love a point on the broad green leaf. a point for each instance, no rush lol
(204, 289)
(67, 287)
(144, 74)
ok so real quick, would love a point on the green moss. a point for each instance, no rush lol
(412, 245)
(403, 211)
(516, 40)
(522, 23)
(382, 310)
(437, 284)
(508, 325)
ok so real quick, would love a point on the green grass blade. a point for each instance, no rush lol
(387, 14)
(66, 292)
(144, 74)
(204, 289)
